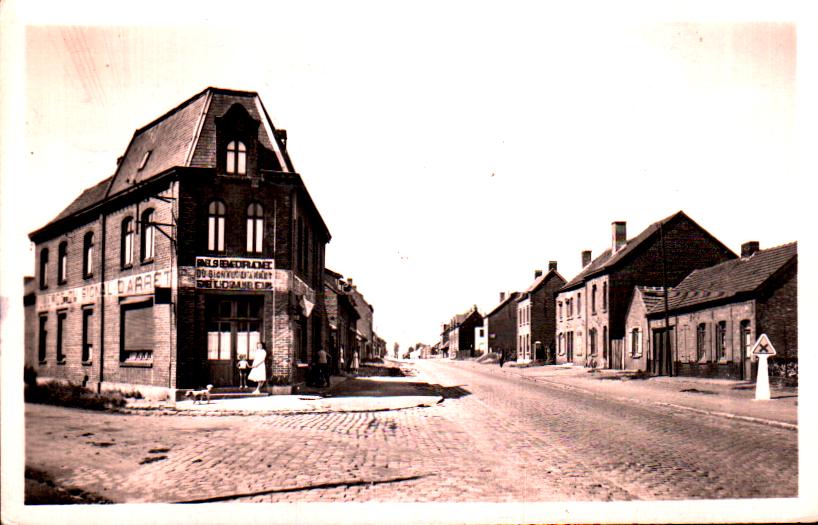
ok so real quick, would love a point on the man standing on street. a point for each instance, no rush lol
(323, 365)
(502, 357)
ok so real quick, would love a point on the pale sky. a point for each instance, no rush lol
(451, 148)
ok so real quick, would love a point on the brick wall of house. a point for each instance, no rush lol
(684, 345)
(636, 319)
(80, 292)
(686, 248)
(502, 329)
(571, 324)
(778, 314)
(544, 313)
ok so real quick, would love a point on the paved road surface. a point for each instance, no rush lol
(495, 438)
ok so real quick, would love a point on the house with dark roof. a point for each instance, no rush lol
(715, 314)
(536, 317)
(342, 320)
(460, 332)
(591, 307)
(501, 324)
(203, 243)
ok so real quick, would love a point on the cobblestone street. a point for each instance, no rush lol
(494, 438)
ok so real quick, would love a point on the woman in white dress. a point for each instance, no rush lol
(258, 370)
(355, 363)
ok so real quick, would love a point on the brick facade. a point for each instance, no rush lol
(172, 349)
(663, 254)
(502, 326)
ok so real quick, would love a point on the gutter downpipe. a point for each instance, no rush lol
(101, 301)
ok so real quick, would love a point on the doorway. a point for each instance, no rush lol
(662, 357)
(233, 329)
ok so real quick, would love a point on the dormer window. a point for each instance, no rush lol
(236, 158)
(144, 160)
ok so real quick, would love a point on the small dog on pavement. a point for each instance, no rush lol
(200, 396)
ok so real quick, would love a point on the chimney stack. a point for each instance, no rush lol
(537, 274)
(586, 258)
(749, 248)
(618, 235)
(502, 296)
(552, 266)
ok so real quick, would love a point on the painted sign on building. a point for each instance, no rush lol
(140, 284)
(233, 273)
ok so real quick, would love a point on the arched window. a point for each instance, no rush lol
(88, 255)
(236, 157)
(62, 263)
(147, 234)
(44, 268)
(215, 226)
(126, 242)
(255, 227)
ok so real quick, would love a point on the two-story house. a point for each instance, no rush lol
(591, 307)
(536, 317)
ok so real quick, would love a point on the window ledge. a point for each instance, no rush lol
(61, 362)
(43, 362)
(88, 276)
(136, 364)
(127, 266)
(147, 261)
(723, 361)
(87, 363)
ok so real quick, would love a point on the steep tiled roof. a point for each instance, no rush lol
(653, 297)
(731, 278)
(607, 261)
(184, 136)
(87, 198)
(511, 296)
(539, 281)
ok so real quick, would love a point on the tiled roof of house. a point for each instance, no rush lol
(606, 260)
(87, 198)
(730, 278)
(511, 296)
(539, 281)
(653, 297)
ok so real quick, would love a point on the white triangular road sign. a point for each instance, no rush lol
(763, 346)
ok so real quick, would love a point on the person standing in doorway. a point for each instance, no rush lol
(258, 370)
(323, 365)
(354, 363)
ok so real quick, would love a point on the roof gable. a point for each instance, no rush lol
(608, 261)
(540, 281)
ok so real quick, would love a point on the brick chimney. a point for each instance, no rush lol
(586, 258)
(618, 236)
(502, 296)
(537, 274)
(552, 265)
(749, 248)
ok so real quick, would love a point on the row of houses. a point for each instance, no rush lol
(203, 243)
(673, 300)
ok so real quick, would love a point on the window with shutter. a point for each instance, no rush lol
(136, 339)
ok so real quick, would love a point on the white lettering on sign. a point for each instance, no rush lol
(140, 284)
(231, 273)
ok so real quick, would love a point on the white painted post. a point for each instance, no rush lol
(763, 379)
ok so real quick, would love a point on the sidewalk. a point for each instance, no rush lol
(346, 394)
(720, 397)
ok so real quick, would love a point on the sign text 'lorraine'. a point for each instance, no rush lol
(232, 273)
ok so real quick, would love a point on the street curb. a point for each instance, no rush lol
(172, 411)
(750, 419)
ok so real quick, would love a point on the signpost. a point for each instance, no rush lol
(763, 349)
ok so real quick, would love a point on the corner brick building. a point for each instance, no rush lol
(204, 241)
